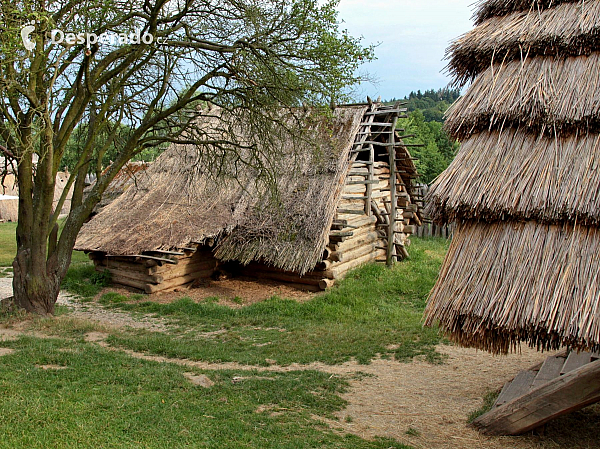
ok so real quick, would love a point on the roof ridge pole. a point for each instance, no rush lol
(393, 194)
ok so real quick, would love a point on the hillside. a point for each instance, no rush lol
(426, 112)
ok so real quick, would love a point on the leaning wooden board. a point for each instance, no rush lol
(572, 391)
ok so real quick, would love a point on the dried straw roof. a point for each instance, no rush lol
(543, 92)
(522, 176)
(525, 258)
(490, 8)
(182, 198)
(569, 29)
(506, 282)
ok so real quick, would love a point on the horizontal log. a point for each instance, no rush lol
(134, 275)
(336, 271)
(144, 257)
(260, 268)
(121, 265)
(369, 236)
(354, 253)
(140, 285)
(189, 269)
(198, 262)
(326, 283)
(323, 265)
(177, 282)
(350, 212)
(166, 253)
(283, 277)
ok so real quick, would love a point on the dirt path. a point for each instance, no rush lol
(415, 403)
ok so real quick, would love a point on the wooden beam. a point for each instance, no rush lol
(573, 391)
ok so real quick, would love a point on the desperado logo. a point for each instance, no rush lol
(58, 37)
(25, 32)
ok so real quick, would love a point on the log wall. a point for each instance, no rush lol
(158, 271)
(358, 235)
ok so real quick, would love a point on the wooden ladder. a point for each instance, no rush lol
(561, 384)
(381, 121)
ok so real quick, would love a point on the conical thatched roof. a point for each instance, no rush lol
(184, 197)
(524, 189)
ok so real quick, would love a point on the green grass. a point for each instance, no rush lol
(8, 243)
(375, 311)
(488, 402)
(106, 399)
(8, 246)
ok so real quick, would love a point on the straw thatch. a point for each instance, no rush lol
(490, 8)
(9, 208)
(508, 282)
(569, 29)
(522, 176)
(523, 189)
(545, 93)
(182, 199)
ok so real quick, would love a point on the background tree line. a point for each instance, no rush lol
(426, 121)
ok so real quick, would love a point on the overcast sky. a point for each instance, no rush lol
(413, 36)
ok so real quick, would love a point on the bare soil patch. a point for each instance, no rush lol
(432, 402)
(233, 292)
(200, 380)
(6, 351)
(51, 367)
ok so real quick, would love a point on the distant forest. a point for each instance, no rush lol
(426, 118)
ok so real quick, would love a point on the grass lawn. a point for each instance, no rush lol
(61, 393)
(374, 311)
(8, 246)
(65, 392)
(8, 243)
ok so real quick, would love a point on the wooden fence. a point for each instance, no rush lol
(428, 228)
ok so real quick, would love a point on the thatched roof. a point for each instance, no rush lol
(184, 198)
(507, 282)
(522, 176)
(569, 29)
(545, 93)
(487, 9)
(523, 189)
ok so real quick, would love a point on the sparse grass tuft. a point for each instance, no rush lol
(82, 279)
(488, 401)
(8, 243)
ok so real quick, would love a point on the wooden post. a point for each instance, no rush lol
(370, 178)
(393, 193)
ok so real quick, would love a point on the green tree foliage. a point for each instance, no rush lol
(426, 122)
(89, 98)
(105, 149)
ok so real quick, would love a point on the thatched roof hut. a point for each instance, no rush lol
(312, 196)
(525, 259)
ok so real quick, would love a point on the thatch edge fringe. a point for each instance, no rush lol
(566, 30)
(514, 174)
(486, 9)
(508, 282)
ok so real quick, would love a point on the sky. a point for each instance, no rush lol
(412, 35)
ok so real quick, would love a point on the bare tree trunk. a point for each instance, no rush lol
(34, 288)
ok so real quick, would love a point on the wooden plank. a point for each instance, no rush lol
(575, 360)
(518, 387)
(393, 199)
(350, 212)
(550, 370)
(146, 257)
(572, 391)
(166, 253)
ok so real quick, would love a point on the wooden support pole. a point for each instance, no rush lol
(393, 198)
